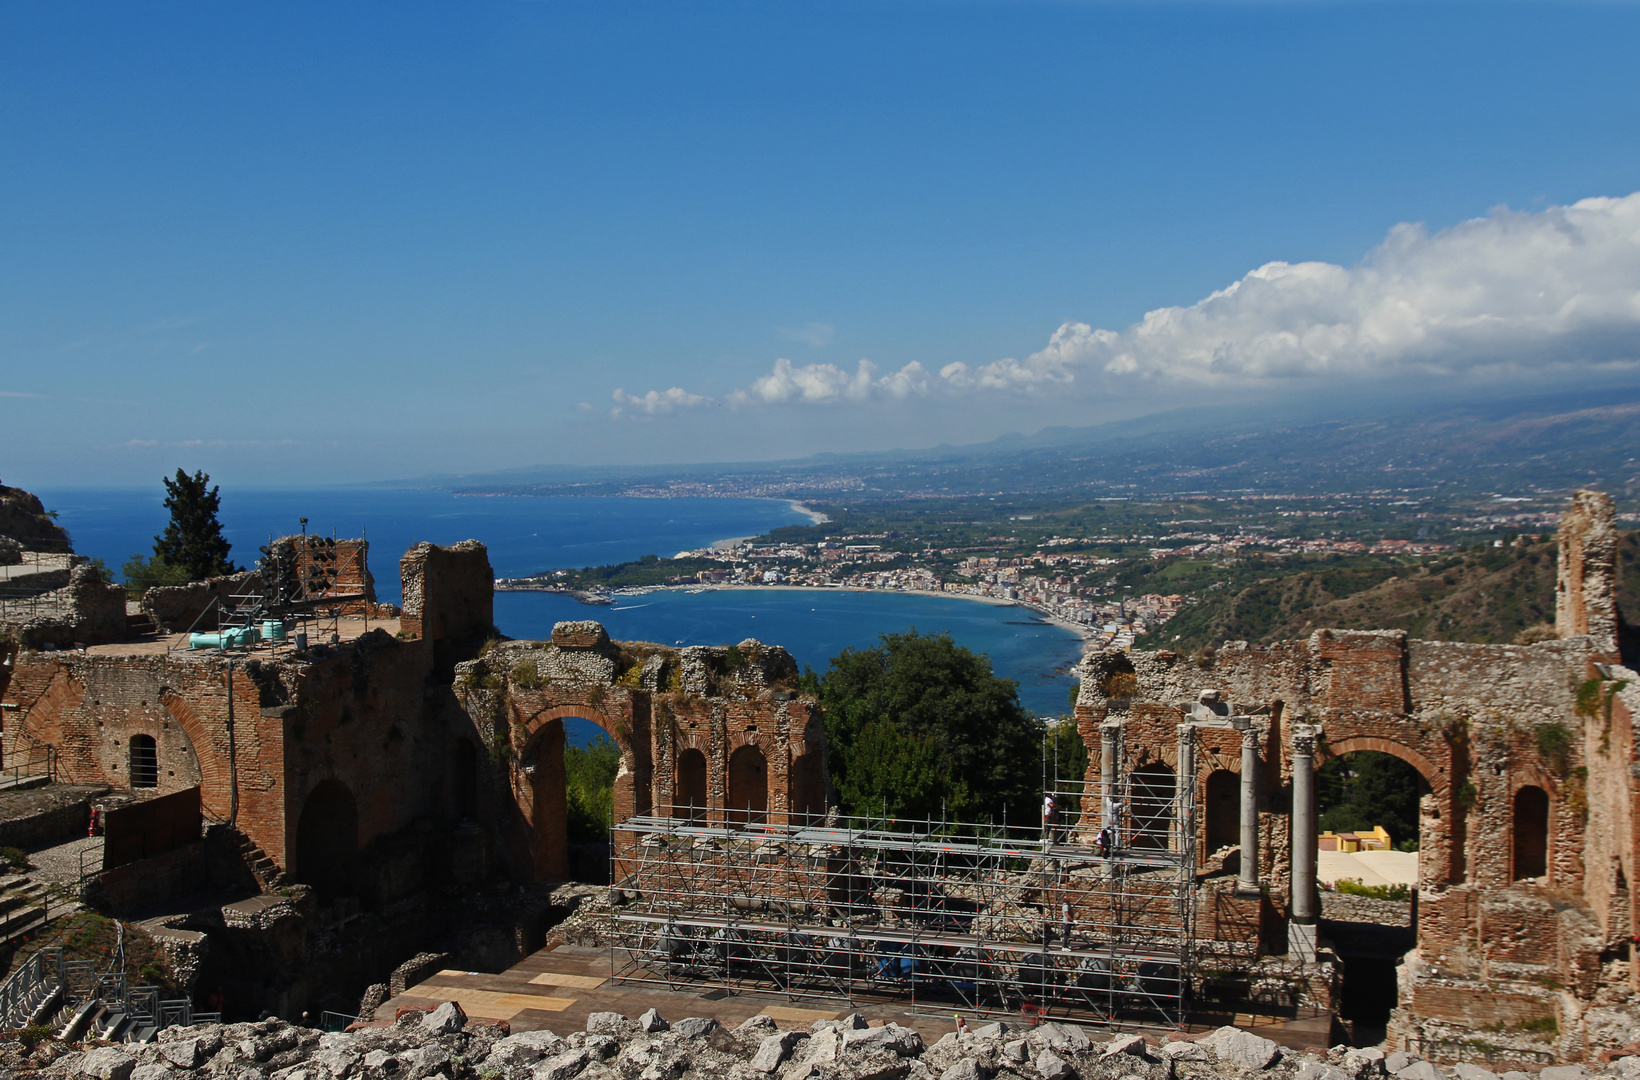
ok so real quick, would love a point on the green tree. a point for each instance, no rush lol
(142, 574)
(193, 538)
(917, 722)
(1367, 788)
(589, 788)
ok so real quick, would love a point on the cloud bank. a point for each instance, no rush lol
(1506, 295)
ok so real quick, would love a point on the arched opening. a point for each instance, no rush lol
(808, 787)
(1358, 791)
(1150, 806)
(691, 786)
(327, 840)
(143, 762)
(1531, 833)
(1222, 812)
(748, 786)
(464, 779)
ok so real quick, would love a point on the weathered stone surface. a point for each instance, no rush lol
(153, 1072)
(107, 1063)
(447, 1019)
(1018, 1051)
(902, 1041)
(773, 1050)
(1053, 1067)
(1466, 1070)
(609, 1023)
(1241, 1049)
(966, 1069)
(694, 1027)
(1563, 1072)
(1183, 1051)
(1316, 1070)
(1421, 1070)
(184, 1053)
(651, 1021)
(1133, 1045)
(1060, 1037)
(564, 1066)
(1363, 1063)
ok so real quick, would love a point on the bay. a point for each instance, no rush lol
(528, 535)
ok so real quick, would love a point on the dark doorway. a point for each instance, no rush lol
(327, 839)
(1223, 810)
(1531, 834)
(144, 762)
(748, 786)
(691, 786)
(1369, 993)
(1150, 804)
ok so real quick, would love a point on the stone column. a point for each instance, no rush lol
(1184, 791)
(1248, 882)
(1302, 928)
(1109, 740)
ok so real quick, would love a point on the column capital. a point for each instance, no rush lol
(1304, 738)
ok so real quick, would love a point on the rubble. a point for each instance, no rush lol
(444, 1044)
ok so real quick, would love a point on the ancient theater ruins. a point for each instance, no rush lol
(394, 779)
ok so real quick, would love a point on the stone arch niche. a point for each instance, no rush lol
(1529, 834)
(689, 791)
(327, 840)
(1150, 806)
(1221, 810)
(748, 799)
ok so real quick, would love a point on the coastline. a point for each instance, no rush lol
(1086, 633)
(815, 517)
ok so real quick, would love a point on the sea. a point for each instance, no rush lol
(528, 535)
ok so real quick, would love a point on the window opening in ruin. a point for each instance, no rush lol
(1364, 789)
(144, 762)
(1222, 811)
(1531, 833)
(327, 839)
(1151, 806)
(748, 786)
(691, 786)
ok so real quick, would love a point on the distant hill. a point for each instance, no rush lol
(1547, 443)
(24, 519)
(1488, 595)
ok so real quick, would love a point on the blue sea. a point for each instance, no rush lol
(527, 535)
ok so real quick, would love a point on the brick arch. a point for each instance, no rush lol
(1438, 779)
(215, 783)
(536, 721)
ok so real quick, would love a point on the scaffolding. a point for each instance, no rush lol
(1090, 920)
(307, 584)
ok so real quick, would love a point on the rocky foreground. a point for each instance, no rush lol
(443, 1044)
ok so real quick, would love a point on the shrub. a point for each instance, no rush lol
(16, 857)
(1353, 887)
(527, 675)
(1554, 744)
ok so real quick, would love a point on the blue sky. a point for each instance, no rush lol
(293, 244)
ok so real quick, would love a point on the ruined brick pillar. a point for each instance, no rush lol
(1586, 585)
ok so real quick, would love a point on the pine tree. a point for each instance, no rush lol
(193, 540)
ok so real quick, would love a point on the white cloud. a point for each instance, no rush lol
(814, 334)
(656, 402)
(818, 383)
(1508, 293)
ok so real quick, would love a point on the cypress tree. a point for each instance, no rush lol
(193, 539)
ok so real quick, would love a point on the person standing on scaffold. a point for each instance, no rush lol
(1049, 812)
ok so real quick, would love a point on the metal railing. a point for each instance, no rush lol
(27, 763)
(336, 1021)
(29, 986)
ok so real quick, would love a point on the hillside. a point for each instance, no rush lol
(1481, 595)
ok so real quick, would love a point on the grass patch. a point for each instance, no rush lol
(1354, 887)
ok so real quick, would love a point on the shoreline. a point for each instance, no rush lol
(1085, 633)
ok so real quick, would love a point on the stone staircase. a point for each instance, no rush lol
(26, 905)
(261, 865)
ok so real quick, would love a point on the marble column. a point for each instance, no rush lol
(1302, 929)
(1248, 881)
(1109, 748)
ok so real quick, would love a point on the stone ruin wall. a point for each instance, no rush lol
(421, 739)
(1491, 949)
